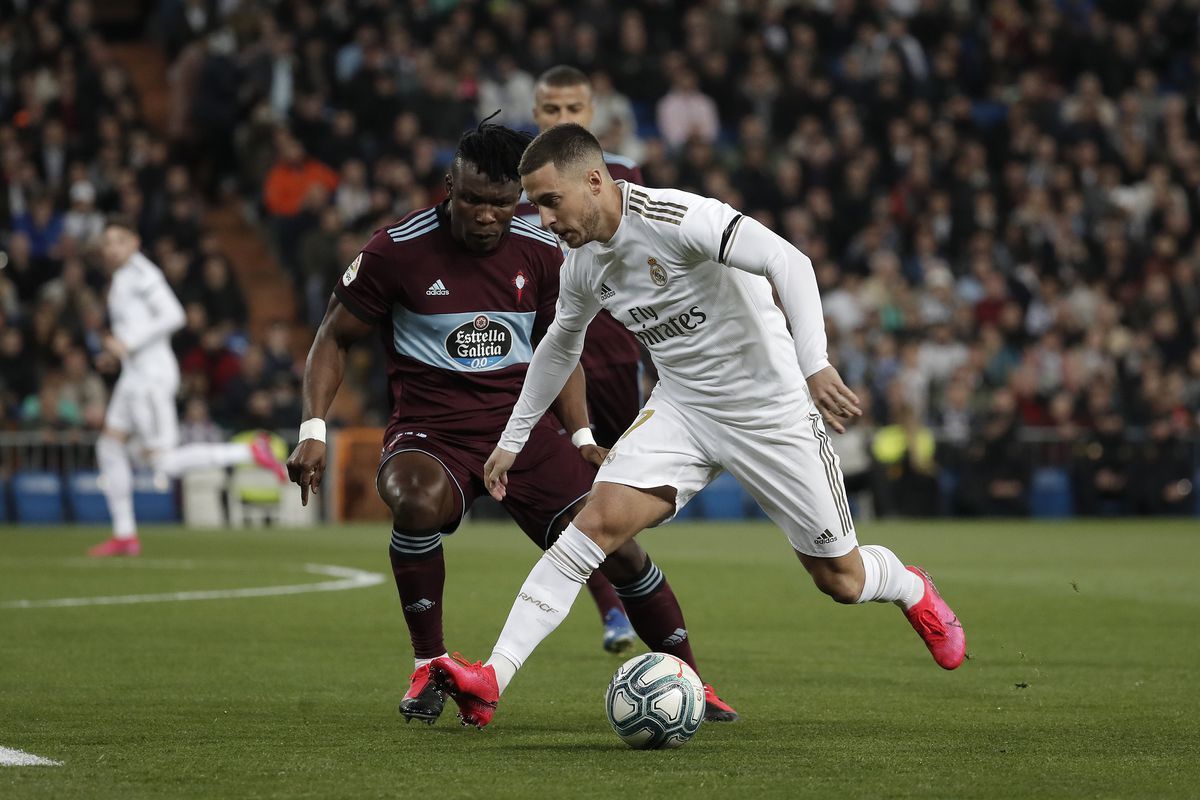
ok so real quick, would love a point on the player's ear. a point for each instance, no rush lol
(595, 181)
(449, 185)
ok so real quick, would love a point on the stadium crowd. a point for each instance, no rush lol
(999, 198)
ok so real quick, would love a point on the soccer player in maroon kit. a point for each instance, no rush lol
(612, 358)
(459, 294)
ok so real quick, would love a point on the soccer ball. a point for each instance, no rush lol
(655, 701)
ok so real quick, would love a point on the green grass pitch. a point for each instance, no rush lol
(1082, 680)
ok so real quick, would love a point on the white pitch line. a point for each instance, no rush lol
(347, 578)
(19, 758)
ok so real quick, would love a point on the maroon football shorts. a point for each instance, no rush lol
(548, 477)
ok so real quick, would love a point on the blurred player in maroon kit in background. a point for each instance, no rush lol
(612, 357)
(459, 294)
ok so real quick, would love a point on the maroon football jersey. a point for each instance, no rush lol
(608, 344)
(458, 328)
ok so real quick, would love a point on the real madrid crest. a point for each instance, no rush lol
(657, 273)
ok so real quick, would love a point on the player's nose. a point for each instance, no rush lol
(548, 218)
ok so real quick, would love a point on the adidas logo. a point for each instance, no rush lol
(678, 637)
(419, 606)
(825, 538)
(606, 293)
(438, 289)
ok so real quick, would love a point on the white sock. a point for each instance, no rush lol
(420, 662)
(887, 579)
(179, 460)
(544, 600)
(116, 479)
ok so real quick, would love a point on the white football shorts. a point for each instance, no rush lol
(790, 469)
(144, 412)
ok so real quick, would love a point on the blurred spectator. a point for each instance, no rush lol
(904, 451)
(685, 112)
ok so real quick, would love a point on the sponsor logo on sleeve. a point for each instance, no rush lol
(352, 271)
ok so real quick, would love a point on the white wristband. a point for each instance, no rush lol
(313, 429)
(582, 437)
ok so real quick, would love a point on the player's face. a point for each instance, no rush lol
(555, 105)
(116, 246)
(567, 203)
(480, 209)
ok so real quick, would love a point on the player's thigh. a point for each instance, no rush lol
(795, 476)
(422, 489)
(122, 412)
(661, 449)
(146, 414)
(547, 485)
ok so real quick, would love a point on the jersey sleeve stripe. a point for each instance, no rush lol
(532, 231)
(648, 215)
(534, 236)
(419, 219)
(664, 203)
(413, 234)
(727, 238)
(658, 209)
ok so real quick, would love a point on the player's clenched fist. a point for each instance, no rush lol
(495, 472)
(833, 398)
(307, 466)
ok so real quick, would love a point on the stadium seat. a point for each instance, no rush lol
(1050, 493)
(724, 498)
(86, 499)
(3, 501)
(154, 500)
(203, 494)
(38, 498)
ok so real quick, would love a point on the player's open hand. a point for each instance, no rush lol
(594, 454)
(495, 472)
(834, 399)
(306, 466)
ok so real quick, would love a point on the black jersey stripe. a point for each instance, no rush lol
(727, 237)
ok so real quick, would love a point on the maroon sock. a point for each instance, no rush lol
(656, 615)
(420, 573)
(603, 593)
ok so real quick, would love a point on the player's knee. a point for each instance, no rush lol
(415, 509)
(841, 586)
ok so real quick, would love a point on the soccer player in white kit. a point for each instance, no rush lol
(692, 278)
(144, 313)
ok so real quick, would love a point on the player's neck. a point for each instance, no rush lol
(611, 204)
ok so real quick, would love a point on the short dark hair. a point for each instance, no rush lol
(563, 75)
(494, 150)
(562, 145)
(121, 221)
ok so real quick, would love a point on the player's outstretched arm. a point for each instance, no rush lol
(323, 373)
(756, 249)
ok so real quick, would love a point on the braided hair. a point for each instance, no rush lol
(494, 150)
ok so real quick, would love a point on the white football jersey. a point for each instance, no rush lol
(720, 343)
(144, 313)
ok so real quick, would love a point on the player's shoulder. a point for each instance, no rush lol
(410, 231)
(622, 168)
(526, 234)
(671, 211)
